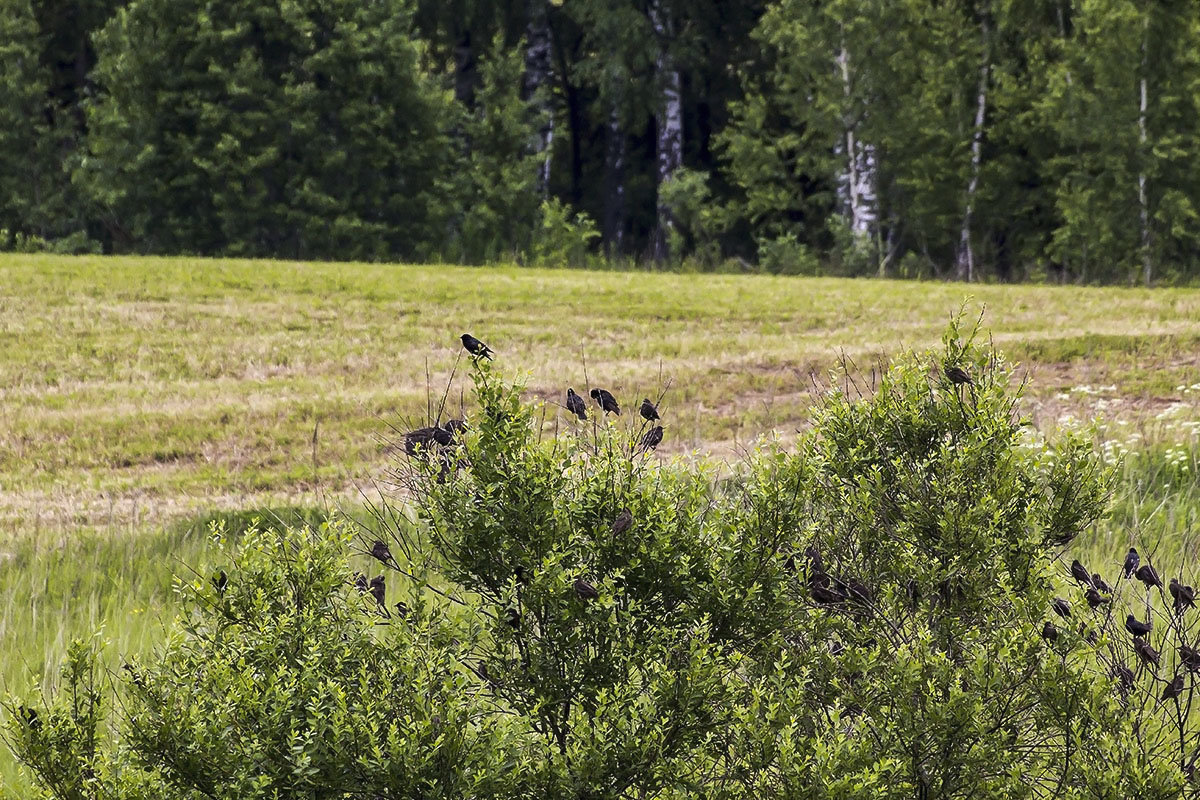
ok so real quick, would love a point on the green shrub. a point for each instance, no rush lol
(561, 238)
(862, 617)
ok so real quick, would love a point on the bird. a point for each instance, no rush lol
(585, 590)
(220, 581)
(442, 436)
(476, 348)
(957, 374)
(1061, 607)
(576, 405)
(1145, 652)
(1100, 583)
(379, 592)
(455, 427)
(606, 401)
(520, 573)
(31, 717)
(857, 590)
(402, 609)
(1174, 688)
(513, 617)
(1189, 657)
(1124, 674)
(649, 411)
(1049, 632)
(420, 439)
(1137, 627)
(381, 551)
(1149, 576)
(1132, 559)
(1184, 596)
(1095, 599)
(653, 438)
(360, 582)
(824, 594)
(1079, 572)
(623, 522)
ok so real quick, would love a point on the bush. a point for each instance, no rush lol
(561, 238)
(863, 617)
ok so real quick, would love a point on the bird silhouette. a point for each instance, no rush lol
(576, 405)
(1149, 576)
(360, 582)
(402, 609)
(1080, 573)
(585, 590)
(475, 347)
(381, 551)
(1189, 657)
(455, 427)
(1123, 674)
(606, 401)
(1137, 627)
(1095, 599)
(31, 718)
(1061, 607)
(379, 592)
(220, 581)
(1145, 652)
(513, 617)
(623, 522)
(1174, 688)
(1049, 632)
(653, 438)
(442, 436)
(1100, 583)
(649, 411)
(957, 374)
(1184, 596)
(422, 439)
(1132, 559)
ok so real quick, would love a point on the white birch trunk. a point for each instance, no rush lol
(1143, 201)
(669, 122)
(856, 185)
(966, 252)
(538, 80)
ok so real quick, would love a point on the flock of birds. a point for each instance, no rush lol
(1098, 593)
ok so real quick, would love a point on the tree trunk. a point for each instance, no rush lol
(614, 185)
(464, 70)
(966, 254)
(1143, 200)
(669, 128)
(856, 185)
(539, 78)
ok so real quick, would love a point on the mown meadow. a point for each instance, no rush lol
(142, 400)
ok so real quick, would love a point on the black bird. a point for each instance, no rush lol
(585, 590)
(1137, 627)
(1100, 583)
(1124, 674)
(1145, 652)
(1049, 632)
(360, 582)
(1079, 572)
(31, 717)
(606, 401)
(649, 411)
(513, 617)
(455, 426)
(220, 581)
(1189, 657)
(790, 564)
(442, 436)
(1149, 576)
(1095, 599)
(957, 374)
(857, 590)
(382, 552)
(1174, 688)
(520, 574)
(475, 347)
(1089, 635)
(402, 609)
(575, 404)
(379, 592)
(420, 439)
(1131, 562)
(623, 522)
(1184, 596)
(1061, 607)
(653, 438)
(824, 594)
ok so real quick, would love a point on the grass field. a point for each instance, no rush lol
(141, 397)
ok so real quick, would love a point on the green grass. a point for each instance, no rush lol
(141, 398)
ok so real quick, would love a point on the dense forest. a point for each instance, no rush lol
(969, 139)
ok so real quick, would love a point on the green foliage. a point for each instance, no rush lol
(561, 238)
(860, 617)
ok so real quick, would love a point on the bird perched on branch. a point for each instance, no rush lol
(1174, 688)
(576, 405)
(1132, 559)
(653, 438)
(1149, 576)
(1049, 632)
(606, 401)
(476, 348)
(425, 439)
(1145, 652)
(1080, 573)
(379, 592)
(360, 582)
(1137, 627)
(381, 551)
(1189, 657)
(1100, 584)
(585, 590)
(513, 617)
(957, 374)
(622, 523)
(1095, 599)
(1061, 607)
(649, 411)
(1123, 674)
(220, 581)
(1184, 596)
